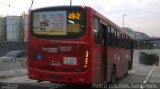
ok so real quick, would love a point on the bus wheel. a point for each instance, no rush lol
(127, 69)
(113, 76)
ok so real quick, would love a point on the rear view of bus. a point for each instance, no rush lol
(58, 45)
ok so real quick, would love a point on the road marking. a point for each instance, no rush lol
(148, 76)
(56, 86)
(150, 73)
(144, 81)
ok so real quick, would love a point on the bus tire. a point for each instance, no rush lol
(127, 69)
(113, 75)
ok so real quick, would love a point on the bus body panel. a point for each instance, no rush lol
(53, 68)
(40, 68)
(37, 69)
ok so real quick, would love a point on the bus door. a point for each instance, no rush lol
(100, 31)
(131, 48)
(104, 49)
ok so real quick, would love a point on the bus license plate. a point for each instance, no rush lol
(70, 60)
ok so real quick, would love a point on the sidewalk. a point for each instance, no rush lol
(13, 73)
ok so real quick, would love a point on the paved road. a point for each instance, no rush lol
(140, 74)
(155, 77)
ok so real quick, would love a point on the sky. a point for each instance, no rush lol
(140, 14)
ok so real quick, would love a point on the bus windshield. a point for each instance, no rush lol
(58, 23)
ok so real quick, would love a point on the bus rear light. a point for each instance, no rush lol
(86, 63)
(87, 54)
(86, 60)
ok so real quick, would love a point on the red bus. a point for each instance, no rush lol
(76, 44)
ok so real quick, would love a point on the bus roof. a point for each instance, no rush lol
(96, 12)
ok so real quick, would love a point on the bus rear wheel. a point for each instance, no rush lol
(127, 69)
(113, 75)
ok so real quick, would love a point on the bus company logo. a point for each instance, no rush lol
(51, 50)
(65, 48)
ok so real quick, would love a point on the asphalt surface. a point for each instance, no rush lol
(140, 77)
(137, 75)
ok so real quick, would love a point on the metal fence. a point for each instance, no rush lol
(10, 46)
(14, 28)
(13, 36)
(13, 33)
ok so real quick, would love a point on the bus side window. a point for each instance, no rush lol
(96, 30)
(115, 39)
(122, 41)
(109, 35)
(112, 36)
(130, 44)
(127, 42)
(103, 33)
(118, 39)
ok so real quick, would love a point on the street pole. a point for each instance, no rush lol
(32, 1)
(123, 20)
(138, 47)
(138, 38)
